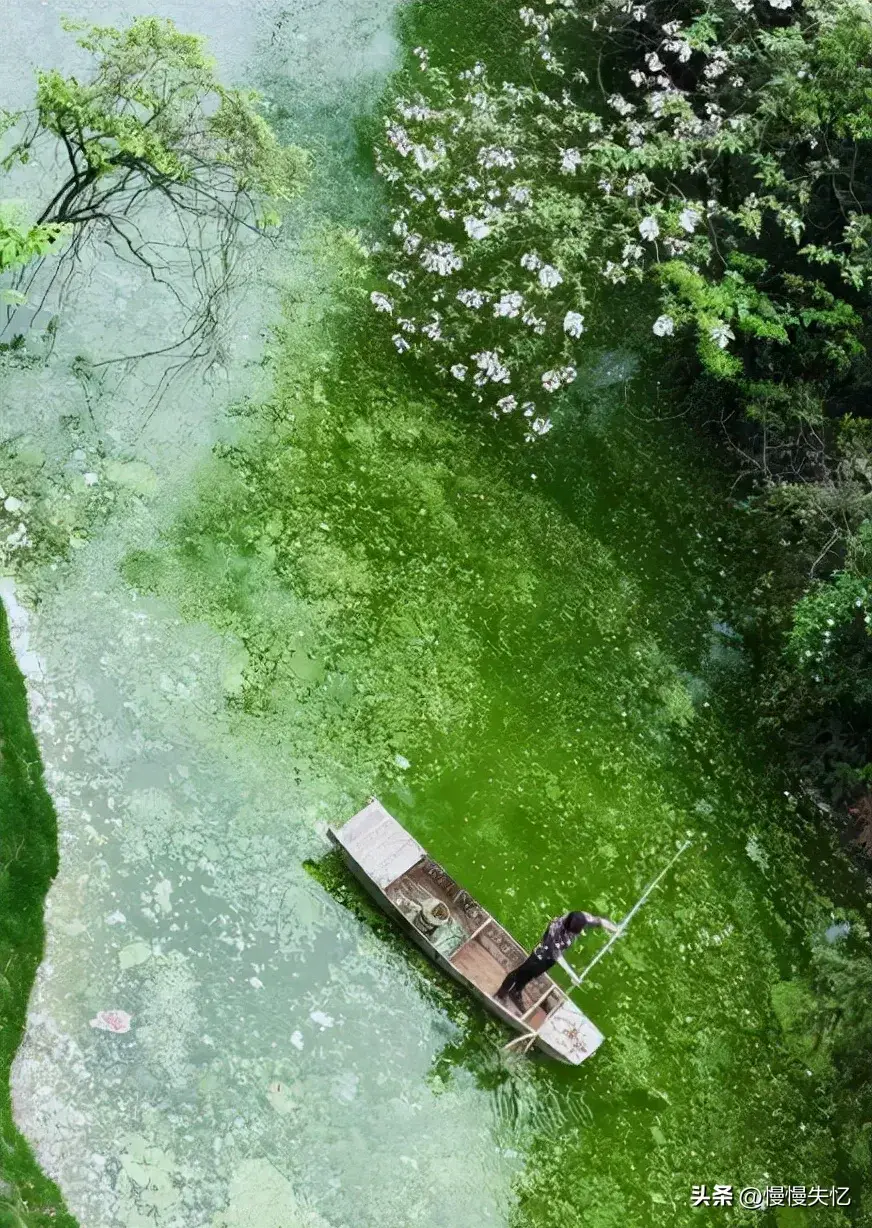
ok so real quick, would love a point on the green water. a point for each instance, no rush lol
(514, 650)
(365, 591)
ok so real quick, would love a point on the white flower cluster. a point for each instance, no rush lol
(465, 165)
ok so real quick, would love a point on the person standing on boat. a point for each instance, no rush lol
(559, 937)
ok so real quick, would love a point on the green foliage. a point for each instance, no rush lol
(711, 160)
(20, 241)
(702, 175)
(28, 862)
(834, 612)
(153, 109)
(150, 122)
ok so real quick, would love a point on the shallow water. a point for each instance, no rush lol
(517, 651)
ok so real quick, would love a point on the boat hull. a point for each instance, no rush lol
(374, 846)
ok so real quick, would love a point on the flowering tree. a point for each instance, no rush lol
(717, 154)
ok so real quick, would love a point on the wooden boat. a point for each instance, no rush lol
(457, 933)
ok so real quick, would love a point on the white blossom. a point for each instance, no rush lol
(433, 329)
(476, 228)
(528, 409)
(491, 368)
(781, 4)
(570, 161)
(459, 371)
(381, 302)
(689, 219)
(535, 322)
(519, 195)
(552, 380)
(425, 158)
(722, 334)
(652, 59)
(549, 277)
(663, 326)
(507, 404)
(679, 47)
(400, 342)
(398, 278)
(573, 323)
(530, 261)
(496, 155)
(415, 111)
(399, 138)
(638, 78)
(541, 426)
(619, 103)
(408, 326)
(411, 243)
(715, 69)
(441, 258)
(605, 186)
(509, 304)
(649, 228)
(400, 228)
(472, 298)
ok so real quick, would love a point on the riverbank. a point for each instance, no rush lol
(29, 859)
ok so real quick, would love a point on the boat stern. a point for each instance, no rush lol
(569, 1035)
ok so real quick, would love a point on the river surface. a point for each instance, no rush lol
(304, 581)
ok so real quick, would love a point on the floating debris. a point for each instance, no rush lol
(297, 1040)
(324, 1021)
(112, 1021)
(134, 953)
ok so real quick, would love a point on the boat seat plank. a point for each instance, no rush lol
(480, 966)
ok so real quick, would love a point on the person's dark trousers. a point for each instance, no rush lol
(533, 966)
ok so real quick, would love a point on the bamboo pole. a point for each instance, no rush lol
(623, 925)
(530, 1036)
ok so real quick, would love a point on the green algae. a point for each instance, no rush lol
(509, 660)
(28, 839)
